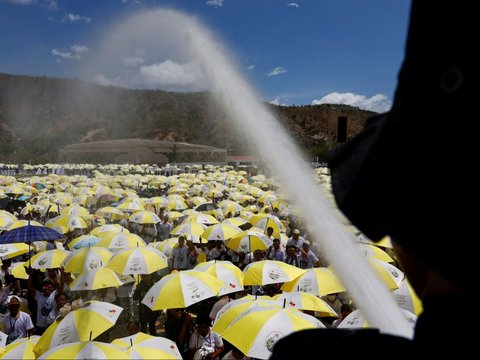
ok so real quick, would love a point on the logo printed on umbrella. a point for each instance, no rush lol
(85, 284)
(3, 249)
(272, 338)
(232, 285)
(42, 261)
(291, 303)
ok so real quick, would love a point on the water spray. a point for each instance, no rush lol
(272, 144)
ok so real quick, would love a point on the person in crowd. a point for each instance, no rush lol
(204, 342)
(296, 240)
(179, 326)
(163, 228)
(307, 258)
(147, 317)
(179, 255)
(16, 324)
(275, 252)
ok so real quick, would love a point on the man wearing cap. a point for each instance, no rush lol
(296, 240)
(16, 324)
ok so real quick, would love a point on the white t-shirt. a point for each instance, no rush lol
(180, 259)
(46, 308)
(17, 328)
(212, 340)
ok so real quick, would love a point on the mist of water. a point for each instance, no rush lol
(270, 141)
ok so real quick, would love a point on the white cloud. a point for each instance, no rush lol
(77, 52)
(277, 102)
(133, 61)
(251, 67)
(277, 71)
(215, 3)
(378, 103)
(75, 17)
(292, 4)
(169, 73)
(22, 2)
(105, 81)
(50, 4)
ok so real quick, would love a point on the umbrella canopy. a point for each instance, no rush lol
(30, 233)
(86, 259)
(189, 228)
(144, 346)
(83, 324)
(8, 251)
(256, 331)
(231, 310)
(375, 252)
(83, 241)
(317, 281)
(96, 279)
(249, 241)
(21, 349)
(390, 275)
(230, 274)
(111, 212)
(305, 301)
(144, 217)
(407, 298)
(108, 228)
(201, 218)
(85, 350)
(355, 320)
(263, 221)
(18, 270)
(140, 260)
(22, 223)
(50, 259)
(220, 232)
(206, 207)
(121, 240)
(270, 272)
(182, 289)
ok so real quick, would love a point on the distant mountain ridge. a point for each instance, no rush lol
(40, 114)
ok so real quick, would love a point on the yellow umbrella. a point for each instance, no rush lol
(144, 217)
(375, 252)
(86, 259)
(140, 260)
(111, 212)
(407, 299)
(74, 221)
(220, 232)
(256, 331)
(109, 228)
(99, 278)
(50, 259)
(355, 320)
(144, 346)
(8, 251)
(391, 275)
(21, 223)
(305, 301)
(230, 274)
(231, 310)
(182, 289)
(263, 221)
(82, 324)
(201, 218)
(74, 209)
(248, 241)
(5, 221)
(189, 228)
(235, 221)
(165, 246)
(317, 281)
(21, 349)
(122, 240)
(270, 272)
(18, 270)
(85, 350)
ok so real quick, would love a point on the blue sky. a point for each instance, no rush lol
(292, 52)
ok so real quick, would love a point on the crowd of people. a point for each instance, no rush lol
(30, 305)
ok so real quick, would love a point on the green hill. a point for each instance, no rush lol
(40, 114)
